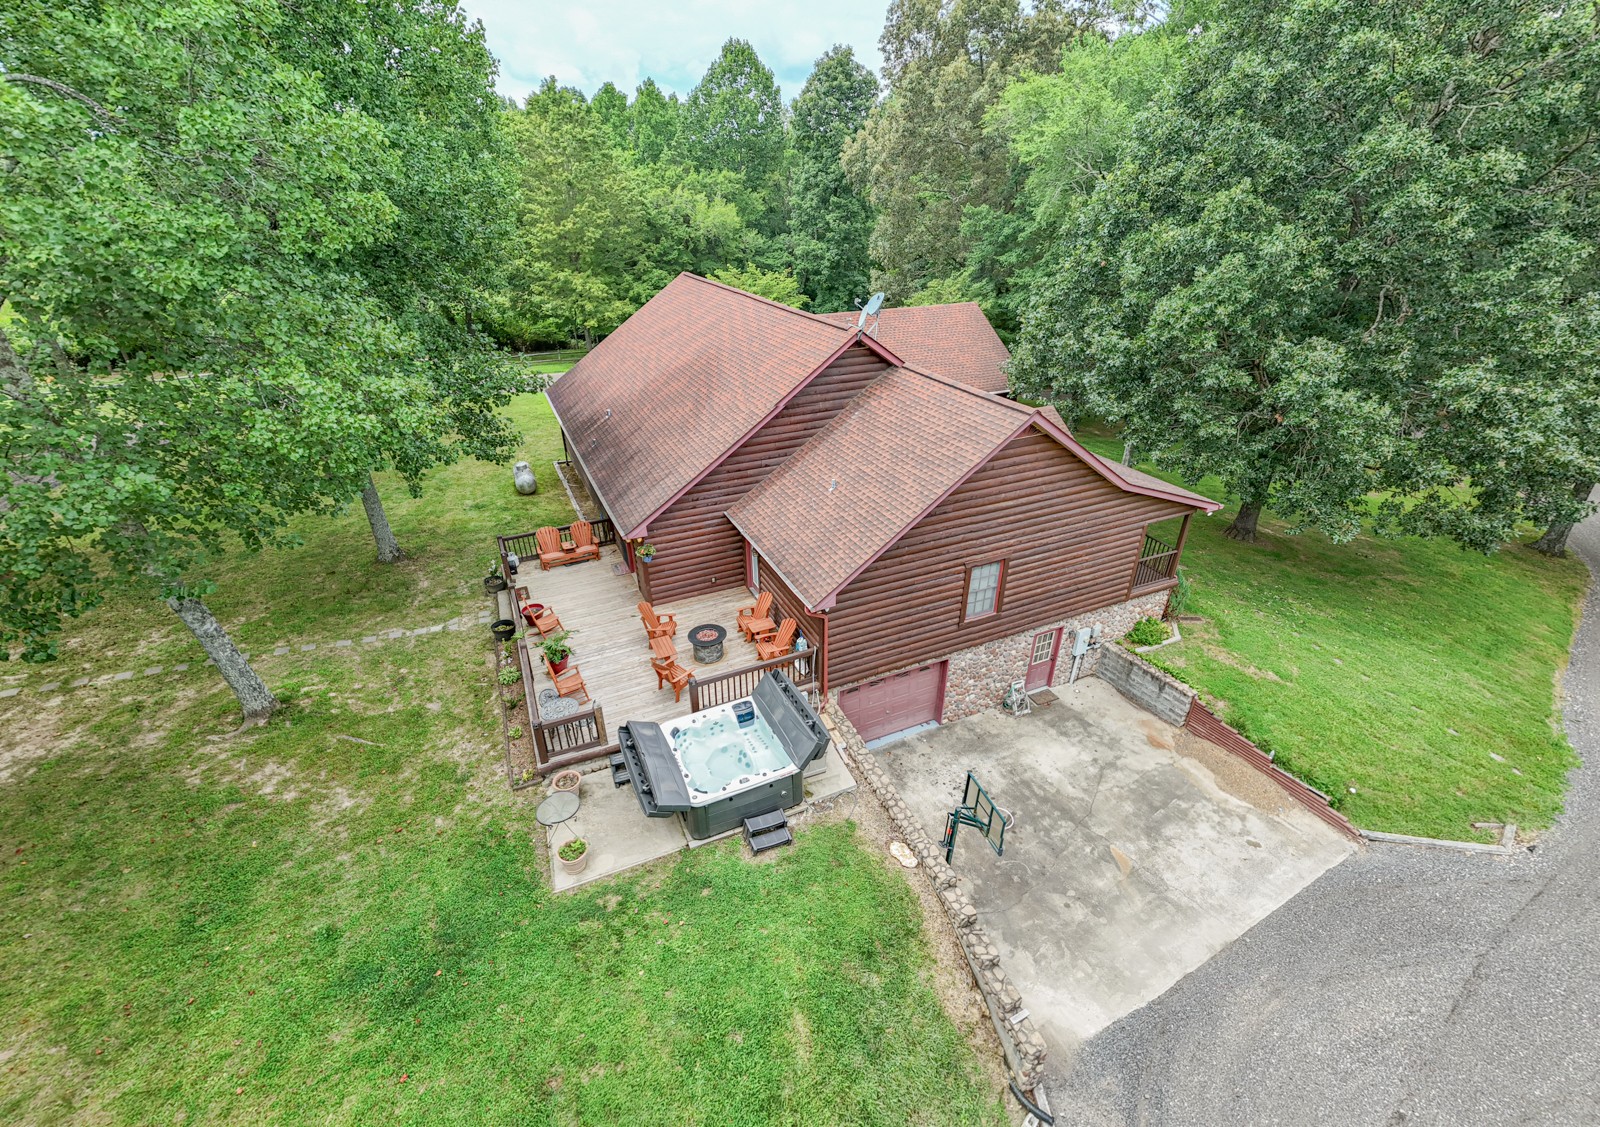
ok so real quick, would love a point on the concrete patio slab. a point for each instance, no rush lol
(619, 835)
(1127, 865)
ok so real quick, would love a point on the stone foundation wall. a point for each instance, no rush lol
(1023, 1045)
(979, 677)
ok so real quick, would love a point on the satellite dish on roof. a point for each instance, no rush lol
(874, 303)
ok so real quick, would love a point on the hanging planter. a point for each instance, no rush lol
(645, 552)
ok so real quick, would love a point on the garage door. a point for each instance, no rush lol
(893, 704)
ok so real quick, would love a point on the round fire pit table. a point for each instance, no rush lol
(707, 643)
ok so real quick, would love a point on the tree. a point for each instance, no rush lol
(425, 74)
(830, 222)
(653, 122)
(580, 222)
(924, 156)
(771, 284)
(733, 122)
(610, 108)
(1350, 248)
(194, 356)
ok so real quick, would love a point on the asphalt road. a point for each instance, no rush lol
(1405, 986)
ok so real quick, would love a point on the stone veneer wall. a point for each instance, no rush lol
(979, 677)
(1023, 1045)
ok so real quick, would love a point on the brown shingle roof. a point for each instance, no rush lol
(952, 340)
(850, 491)
(679, 384)
(858, 484)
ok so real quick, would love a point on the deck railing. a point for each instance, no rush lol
(526, 544)
(736, 684)
(556, 740)
(1158, 562)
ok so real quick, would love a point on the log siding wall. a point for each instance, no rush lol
(1069, 538)
(786, 604)
(697, 548)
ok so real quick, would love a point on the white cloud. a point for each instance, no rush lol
(672, 41)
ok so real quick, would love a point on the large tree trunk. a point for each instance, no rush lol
(1244, 524)
(1127, 453)
(388, 546)
(254, 696)
(1554, 540)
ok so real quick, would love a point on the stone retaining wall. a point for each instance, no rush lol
(1024, 1047)
(1145, 685)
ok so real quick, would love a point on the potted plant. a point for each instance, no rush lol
(494, 581)
(556, 650)
(573, 855)
(503, 629)
(567, 780)
(646, 552)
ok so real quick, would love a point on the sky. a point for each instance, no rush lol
(585, 42)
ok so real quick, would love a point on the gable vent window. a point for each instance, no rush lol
(983, 589)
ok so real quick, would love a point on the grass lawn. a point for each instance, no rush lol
(342, 917)
(331, 587)
(1410, 680)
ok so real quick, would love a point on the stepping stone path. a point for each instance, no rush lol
(455, 624)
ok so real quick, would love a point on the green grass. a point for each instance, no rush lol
(288, 925)
(311, 920)
(1388, 673)
(332, 587)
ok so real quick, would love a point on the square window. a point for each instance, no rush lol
(983, 590)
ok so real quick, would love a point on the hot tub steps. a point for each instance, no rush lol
(620, 776)
(767, 831)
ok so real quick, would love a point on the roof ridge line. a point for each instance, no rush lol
(987, 396)
(757, 297)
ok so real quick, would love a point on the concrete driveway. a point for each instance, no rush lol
(1129, 863)
(1408, 987)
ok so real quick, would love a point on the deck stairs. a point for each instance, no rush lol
(767, 831)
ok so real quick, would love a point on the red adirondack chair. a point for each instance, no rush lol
(583, 545)
(541, 618)
(781, 643)
(568, 681)
(657, 625)
(756, 619)
(551, 553)
(675, 675)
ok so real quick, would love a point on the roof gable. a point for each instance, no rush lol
(953, 340)
(680, 383)
(903, 445)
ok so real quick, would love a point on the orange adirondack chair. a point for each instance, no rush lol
(676, 676)
(781, 643)
(543, 620)
(551, 554)
(756, 619)
(583, 545)
(568, 681)
(657, 625)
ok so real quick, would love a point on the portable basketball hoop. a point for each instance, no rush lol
(977, 810)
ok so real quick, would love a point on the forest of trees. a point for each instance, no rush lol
(1339, 253)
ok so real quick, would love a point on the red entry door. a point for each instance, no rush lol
(1042, 666)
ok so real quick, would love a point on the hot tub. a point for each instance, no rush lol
(721, 765)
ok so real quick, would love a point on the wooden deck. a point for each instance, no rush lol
(609, 646)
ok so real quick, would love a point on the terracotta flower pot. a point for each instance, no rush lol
(566, 780)
(576, 864)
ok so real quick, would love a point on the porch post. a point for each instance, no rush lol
(1183, 534)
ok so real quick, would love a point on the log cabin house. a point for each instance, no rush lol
(934, 539)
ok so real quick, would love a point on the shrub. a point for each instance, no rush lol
(572, 850)
(1179, 599)
(1147, 632)
(510, 675)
